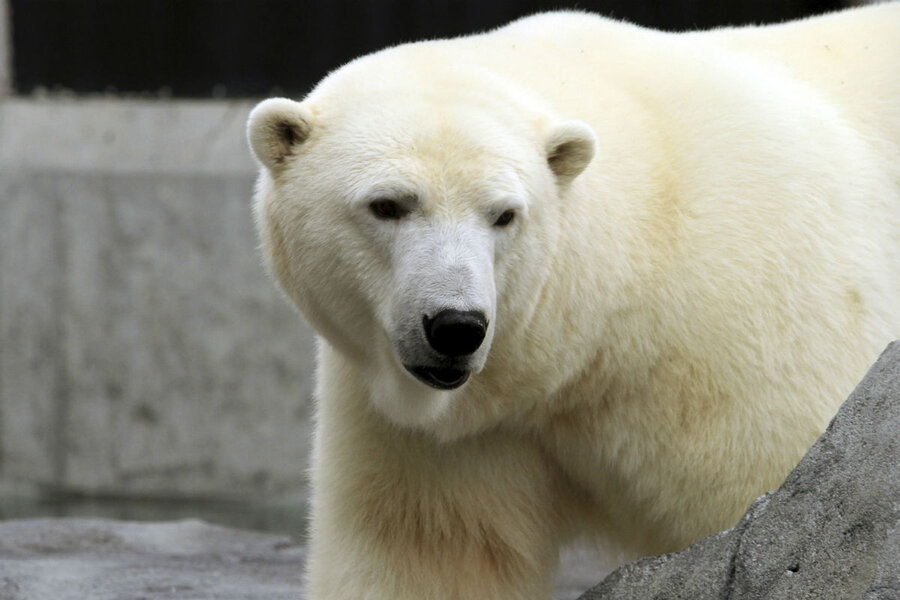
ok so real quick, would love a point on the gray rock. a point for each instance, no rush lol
(832, 530)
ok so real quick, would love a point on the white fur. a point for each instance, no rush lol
(704, 260)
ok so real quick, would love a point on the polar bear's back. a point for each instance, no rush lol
(852, 56)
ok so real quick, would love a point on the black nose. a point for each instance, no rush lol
(455, 332)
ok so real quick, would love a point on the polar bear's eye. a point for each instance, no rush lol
(387, 210)
(505, 219)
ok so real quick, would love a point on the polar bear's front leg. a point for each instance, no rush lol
(398, 516)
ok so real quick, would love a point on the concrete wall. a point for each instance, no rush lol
(143, 349)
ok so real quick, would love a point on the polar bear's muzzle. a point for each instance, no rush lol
(454, 335)
(442, 299)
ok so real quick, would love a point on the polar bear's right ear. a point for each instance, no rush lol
(275, 128)
(570, 147)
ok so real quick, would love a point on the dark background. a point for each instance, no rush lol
(239, 48)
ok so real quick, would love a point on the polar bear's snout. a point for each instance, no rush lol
(454, 335)
(443, 301)
(455, 332)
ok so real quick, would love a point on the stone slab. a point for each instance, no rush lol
(144, 349)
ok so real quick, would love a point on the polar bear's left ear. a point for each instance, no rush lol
(570, 147)
(276, 128)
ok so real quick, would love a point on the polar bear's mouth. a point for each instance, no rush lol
(442, 378)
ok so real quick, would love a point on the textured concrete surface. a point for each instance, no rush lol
(144, 349)
(112, 560)
(831, 531)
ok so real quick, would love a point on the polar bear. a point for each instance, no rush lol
(576, 278)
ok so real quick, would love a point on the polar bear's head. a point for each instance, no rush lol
(412, 228)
